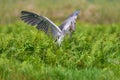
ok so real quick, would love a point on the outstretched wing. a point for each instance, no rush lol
(41, 23)
(70, 21)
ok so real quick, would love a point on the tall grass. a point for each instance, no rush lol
(92, 53)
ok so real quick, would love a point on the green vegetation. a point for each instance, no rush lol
(92, 53)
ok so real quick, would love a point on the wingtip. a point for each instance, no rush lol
(25, 12)
(78, 11)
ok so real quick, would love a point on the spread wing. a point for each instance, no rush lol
(71, 20)
(41, 23)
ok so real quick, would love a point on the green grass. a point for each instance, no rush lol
(93, 53)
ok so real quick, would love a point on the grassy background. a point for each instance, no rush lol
(92, 11)
(93, 53)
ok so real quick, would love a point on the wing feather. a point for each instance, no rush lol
(71, 19)
(41, 22)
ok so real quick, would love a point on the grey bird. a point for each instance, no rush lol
(46, 25)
